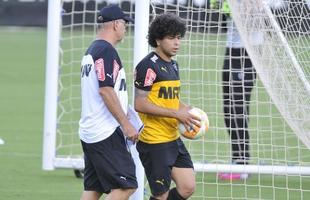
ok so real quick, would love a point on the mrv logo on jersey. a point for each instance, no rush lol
(169, 92)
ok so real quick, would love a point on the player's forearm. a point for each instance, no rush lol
(111, 101)
(144, 106)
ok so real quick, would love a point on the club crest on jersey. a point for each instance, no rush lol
(115, 70)
(99, 64)
(175, 66)
(149, 77)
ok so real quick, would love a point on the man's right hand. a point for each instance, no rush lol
(185, 117)
(130, 132)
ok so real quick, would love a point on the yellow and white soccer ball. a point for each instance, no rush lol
(196, 132)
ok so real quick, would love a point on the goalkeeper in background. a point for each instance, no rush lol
(238, 78)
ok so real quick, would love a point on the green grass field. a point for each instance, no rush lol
(21, 126)
(21, 121)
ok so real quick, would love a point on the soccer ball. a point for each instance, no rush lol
(195, 132)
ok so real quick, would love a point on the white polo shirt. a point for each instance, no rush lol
(100, 67)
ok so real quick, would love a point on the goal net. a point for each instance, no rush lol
(279, 109)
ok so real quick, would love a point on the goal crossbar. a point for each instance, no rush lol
(78, 163)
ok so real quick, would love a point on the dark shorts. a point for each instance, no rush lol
(108, 165)
(158, 160)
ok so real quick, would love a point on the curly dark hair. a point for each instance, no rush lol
(163, 25)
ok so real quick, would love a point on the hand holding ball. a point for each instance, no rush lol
(196, 132)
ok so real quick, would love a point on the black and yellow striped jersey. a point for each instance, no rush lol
(162, 80)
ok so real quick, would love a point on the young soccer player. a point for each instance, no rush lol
(109, 167)
(157, 99)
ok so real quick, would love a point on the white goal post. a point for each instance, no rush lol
(279, 114)
(51, 84)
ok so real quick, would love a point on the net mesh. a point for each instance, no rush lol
(272, 139)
